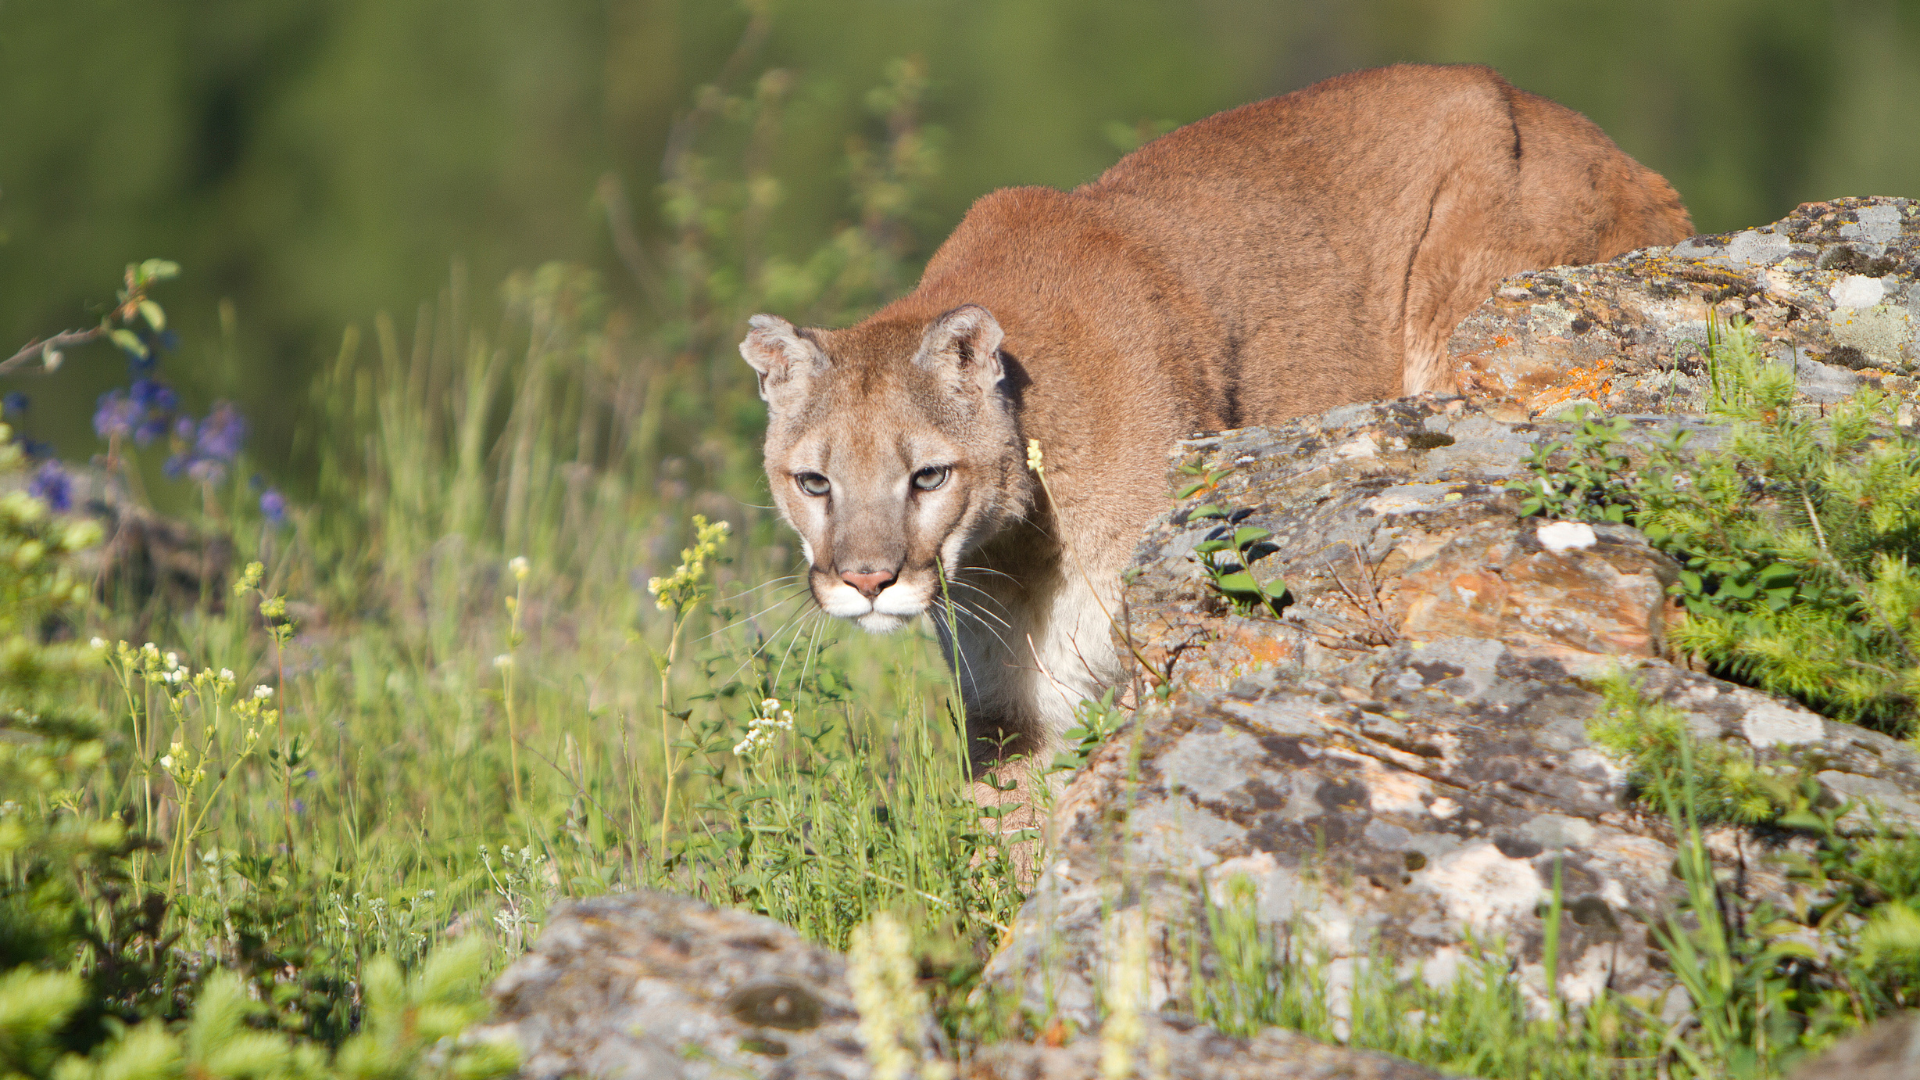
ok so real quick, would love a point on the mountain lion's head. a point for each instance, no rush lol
(891, 449)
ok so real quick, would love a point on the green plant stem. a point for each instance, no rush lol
(506, 690)
(666, 718)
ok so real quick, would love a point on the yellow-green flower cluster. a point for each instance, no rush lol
(893, 1014)
(249, 578)
(687, 585)
(1126, 995)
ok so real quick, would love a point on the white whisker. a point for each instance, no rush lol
(782, 602)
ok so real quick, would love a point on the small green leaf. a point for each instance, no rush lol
(130, 341)
(1205, 511)
(1208, 547)
(1250, 534)
(1187, 490)
(1238, 584)
(1798, 949)
(1276, 588)
(151, 312)
(1801, 819)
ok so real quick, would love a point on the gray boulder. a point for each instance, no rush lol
(1399, 762)
(653, 986)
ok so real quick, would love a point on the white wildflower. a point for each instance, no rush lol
(226, 674)
(503, 661)
(166, 762)
(760, 730)
(519, 567)
(173, 659)
(262, 692)
(98, 643)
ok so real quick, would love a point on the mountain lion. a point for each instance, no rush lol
(1265, 263)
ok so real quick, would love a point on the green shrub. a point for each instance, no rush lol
(1722, 781)
(89, 976)
(1799, 535)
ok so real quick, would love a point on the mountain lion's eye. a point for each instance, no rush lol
(812, 483)
(931, 477)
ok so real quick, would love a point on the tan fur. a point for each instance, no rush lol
(1265, 263)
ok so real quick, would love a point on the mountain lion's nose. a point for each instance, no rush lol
(869, 584)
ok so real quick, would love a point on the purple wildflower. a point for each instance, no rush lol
(52, 484)
(153, 394)
(273, 505)
(221, 433)
(203, 470)
(117, 415)
(183, 429)
(15, 404)
(159, 401)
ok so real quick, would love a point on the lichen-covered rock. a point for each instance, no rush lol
(1402, 804)
(1399, 761)
(1830, 289)
(653, 986)
(1391, 521)
(1177, 1048)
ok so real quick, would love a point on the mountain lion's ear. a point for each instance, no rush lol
(781, 357)
(964, 347)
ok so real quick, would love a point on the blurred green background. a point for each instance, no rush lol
(315, 162)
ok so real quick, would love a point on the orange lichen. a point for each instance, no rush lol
(1596, 379)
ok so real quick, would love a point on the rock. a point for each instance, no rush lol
(1416, 538)
(1830, 289)
(1179, 1048)
(1889, 1050)
(1397, 805)
(651, 986)
(1399, 763)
